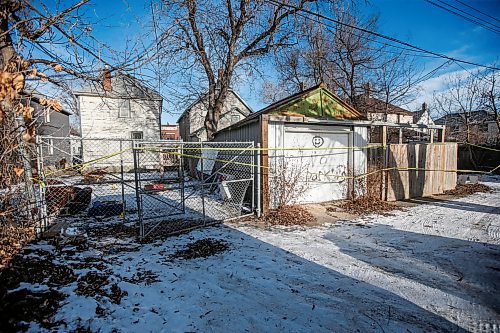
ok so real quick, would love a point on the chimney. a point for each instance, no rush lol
(301, 86)
(367, 89)
(106, 79)
(424, 107)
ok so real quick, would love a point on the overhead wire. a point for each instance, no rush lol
(392, 39)
(477, 10)
(462, 16)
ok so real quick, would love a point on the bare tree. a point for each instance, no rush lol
(214, 42)
(463, 95)
(491, 97)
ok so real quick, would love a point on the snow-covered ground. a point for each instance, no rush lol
(431, 268)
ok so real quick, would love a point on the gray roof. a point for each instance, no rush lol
(123, 86)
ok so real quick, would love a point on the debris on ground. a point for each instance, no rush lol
(202, 248)
(35, 270)
(363, 205)
(95, 285)
(121, 231)
(20, 307)
(288, 216)
(12, 239)
(147, 277)
(468, 189)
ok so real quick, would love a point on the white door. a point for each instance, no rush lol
(323, 164)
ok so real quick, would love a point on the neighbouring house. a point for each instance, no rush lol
(191, 121)
(377, 110)
(170, 132)
(478, 127)
(54, 128)
(314, 119)
(114, 114)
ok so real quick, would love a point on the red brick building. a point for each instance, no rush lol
(170, 132)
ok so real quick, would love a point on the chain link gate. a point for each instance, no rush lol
(163, 186)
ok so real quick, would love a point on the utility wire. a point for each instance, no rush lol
(462, 16)
(477, 10)
(467, 13)
(392, 39)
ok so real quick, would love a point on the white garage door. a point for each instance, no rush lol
(322, 170)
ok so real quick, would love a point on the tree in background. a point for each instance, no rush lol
(214, 43)
(348, 60)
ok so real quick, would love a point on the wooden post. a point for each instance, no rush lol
(400, 135)
(432, 135)
(441, 134)
(386, 162)
(264, 127)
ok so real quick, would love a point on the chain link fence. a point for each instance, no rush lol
(163, 186)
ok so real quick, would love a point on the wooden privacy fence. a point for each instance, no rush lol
(420, 170)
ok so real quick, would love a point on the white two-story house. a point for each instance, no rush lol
(122, 107)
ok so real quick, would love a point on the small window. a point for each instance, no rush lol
(124, 109)
(137, 136)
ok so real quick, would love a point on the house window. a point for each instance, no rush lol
(124, 109)
(137, 135)
(47, 116)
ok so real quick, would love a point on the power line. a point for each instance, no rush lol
(462, 16)
(392, 39)
(477, 10)
(467, 13)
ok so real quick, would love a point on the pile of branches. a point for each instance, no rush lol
(468, 189)
(289, 215)
(202, 248)
(364, 205)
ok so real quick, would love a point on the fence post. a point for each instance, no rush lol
(124, 202)
(257, 178)
(138, 190)
(202, 184)
(181, 174)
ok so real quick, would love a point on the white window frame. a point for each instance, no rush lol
(50, 146)
(124, 105)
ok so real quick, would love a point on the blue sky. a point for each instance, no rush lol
(414, 21)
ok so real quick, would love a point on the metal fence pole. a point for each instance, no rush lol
(181, 175)
(258, 153)
(124, 203)
(138, 191)
(202, 184)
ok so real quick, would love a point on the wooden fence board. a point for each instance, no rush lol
(430, 177)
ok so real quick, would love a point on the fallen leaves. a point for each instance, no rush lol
(288, 216)
(94, 284)
(364, 205)
(202, 248)
(468, 189)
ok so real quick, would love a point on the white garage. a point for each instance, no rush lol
(312, 146)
